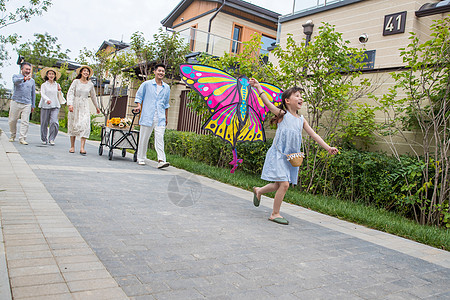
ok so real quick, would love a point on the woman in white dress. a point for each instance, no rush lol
(79, 119)
(49, 105)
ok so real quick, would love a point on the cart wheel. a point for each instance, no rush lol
(124, 152)
(100, 150)
(135, 156)
(110, 154)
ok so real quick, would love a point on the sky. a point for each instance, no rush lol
(87, 23)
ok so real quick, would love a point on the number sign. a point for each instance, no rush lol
(394, 23)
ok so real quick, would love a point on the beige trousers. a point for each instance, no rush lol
(16, 111)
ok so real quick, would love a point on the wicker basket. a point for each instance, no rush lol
(296, 159)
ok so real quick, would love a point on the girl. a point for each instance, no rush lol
(288, 139)
(79, 119)
(49, 105)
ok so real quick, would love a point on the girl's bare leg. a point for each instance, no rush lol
(271, 187)
(72, 144)
(279, 196)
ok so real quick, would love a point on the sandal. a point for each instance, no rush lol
(256, 201)
(279, 220)
(83, 153)
(71, 151)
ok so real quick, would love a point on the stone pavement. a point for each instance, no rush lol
(85, 227)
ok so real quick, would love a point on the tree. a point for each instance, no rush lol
(328, 70)
(424, 108)
(20, 12)
(166, 48)
(106, 65)
(44, 51)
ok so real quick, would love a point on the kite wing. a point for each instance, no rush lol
(216, 87)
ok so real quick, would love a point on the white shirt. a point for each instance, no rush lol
(153, 103)
(49, 91)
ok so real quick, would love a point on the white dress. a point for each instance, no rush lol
(79, 121)
(288, 139)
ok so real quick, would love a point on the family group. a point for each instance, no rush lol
(152, 101)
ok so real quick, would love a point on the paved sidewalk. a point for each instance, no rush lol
(85, 227)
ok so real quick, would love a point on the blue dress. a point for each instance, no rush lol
(288, 139)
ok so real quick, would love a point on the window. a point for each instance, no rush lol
(237, 35)
(266, 42)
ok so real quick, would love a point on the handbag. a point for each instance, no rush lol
(61, 98)
(296, 159)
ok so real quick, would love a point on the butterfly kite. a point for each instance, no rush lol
(237, 112)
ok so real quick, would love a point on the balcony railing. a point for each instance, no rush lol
(202, 41)
(305, 5)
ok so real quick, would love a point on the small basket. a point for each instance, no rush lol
(296, 159)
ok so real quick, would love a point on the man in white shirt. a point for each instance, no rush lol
(152, 99)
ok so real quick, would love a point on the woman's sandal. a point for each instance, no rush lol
(83, 153)
(71, 151)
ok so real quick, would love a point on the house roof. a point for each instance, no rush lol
(236, 4)
(58, 63)
(113, 43)
(429, 9)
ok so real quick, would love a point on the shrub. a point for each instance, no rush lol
(35, 116)
(375, 179)
(63, 122)
(215, 152)
(96, 129)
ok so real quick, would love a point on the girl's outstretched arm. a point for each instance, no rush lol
(275, 110)
(318, 139)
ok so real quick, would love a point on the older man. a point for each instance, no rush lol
(22, 104)
(152, 98)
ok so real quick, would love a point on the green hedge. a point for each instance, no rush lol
(372, 178)
(214, 151)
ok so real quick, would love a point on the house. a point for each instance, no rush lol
(70, 65)
(380, 27)
(217, 27)
(112, 45)
(214, 27)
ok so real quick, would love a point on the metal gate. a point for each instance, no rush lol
(189, 120)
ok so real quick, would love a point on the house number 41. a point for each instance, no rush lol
(394, 23)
